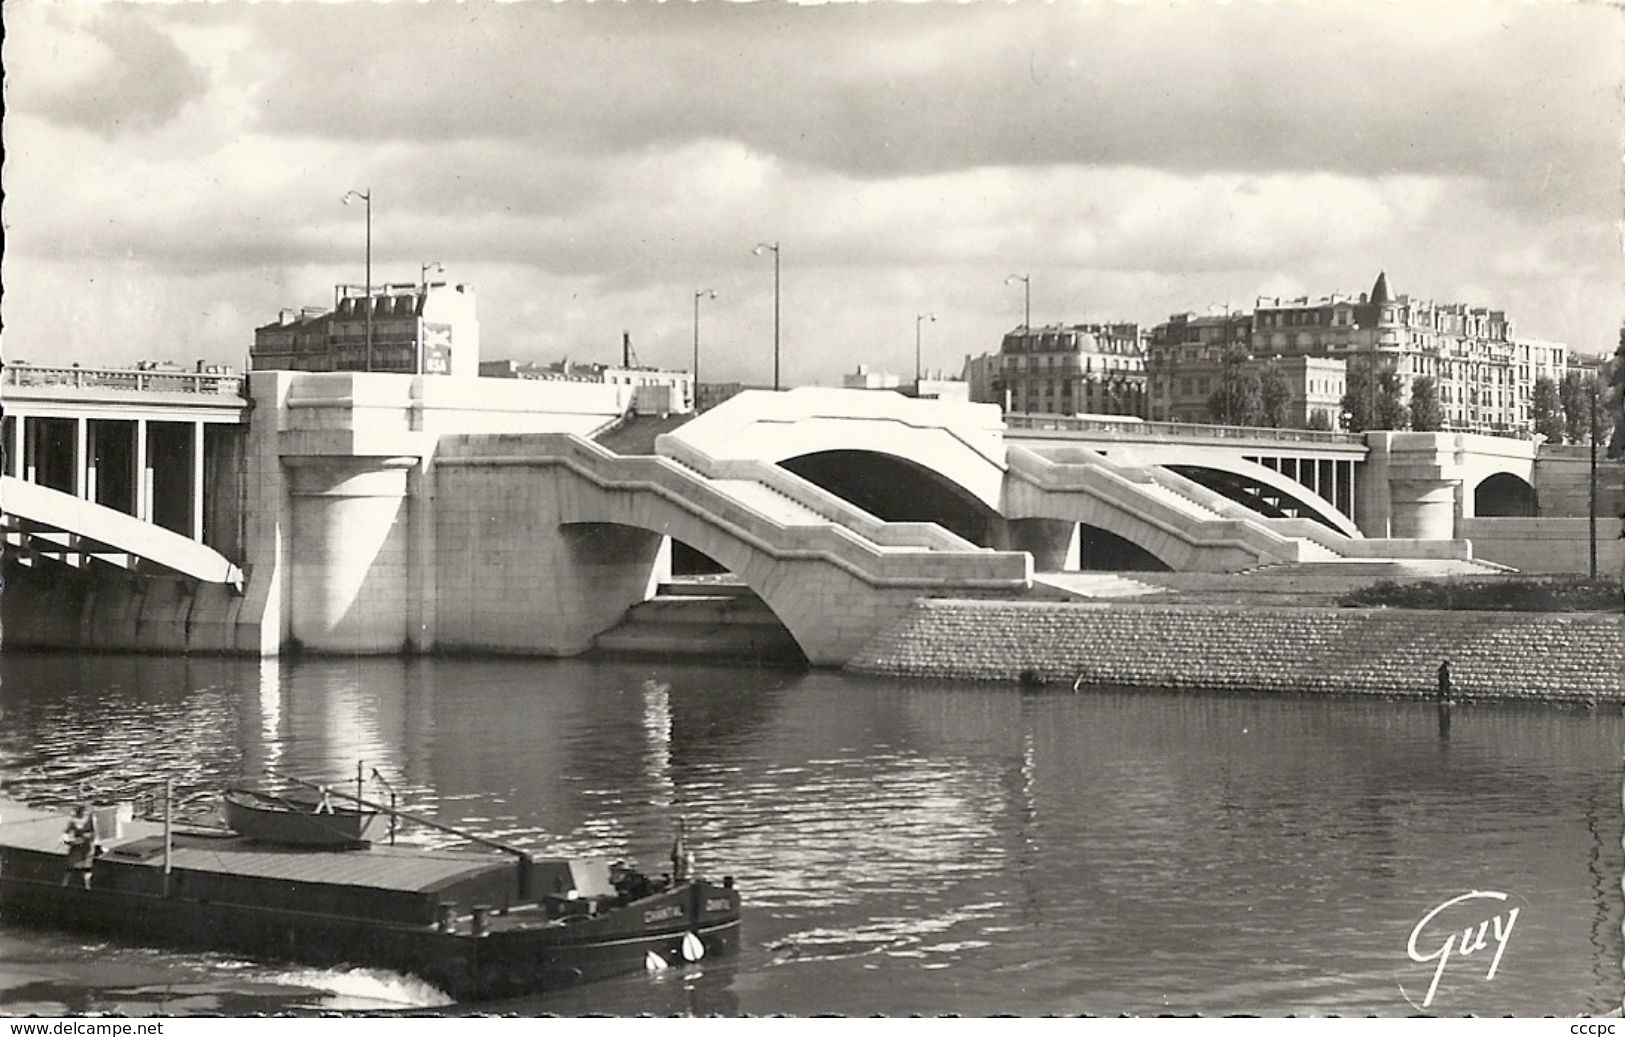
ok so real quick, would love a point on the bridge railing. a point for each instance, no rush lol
(1119, 429)
(129, 378)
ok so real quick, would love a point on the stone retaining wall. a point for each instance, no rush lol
(1393, 652)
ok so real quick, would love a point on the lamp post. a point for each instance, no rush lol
(1027, 294)
(366, 196)
(919, 318)
(1591, 512)
(1224, 361)
(703, 293)
(775, 250)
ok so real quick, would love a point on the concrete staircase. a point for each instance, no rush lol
(710, 620)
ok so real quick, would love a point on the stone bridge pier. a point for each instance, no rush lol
(350, 577)
(1424, 484)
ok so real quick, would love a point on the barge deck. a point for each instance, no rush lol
(475, 924)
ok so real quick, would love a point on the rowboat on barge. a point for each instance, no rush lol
(476, 925)
(301, 818)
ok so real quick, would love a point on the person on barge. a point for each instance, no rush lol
(80, 836)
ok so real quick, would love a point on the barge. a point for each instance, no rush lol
(476, 925)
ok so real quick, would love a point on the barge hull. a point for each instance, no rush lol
(474, 925)
(503, 963)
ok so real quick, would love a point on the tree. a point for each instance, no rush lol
(1574, 394)
(1546, 410)
(1598, 407)
(1616, 395)
(1391, 412)
(1320, 420)
(1239, 401)
(1426, 414)
(1357, 399)
(1274, 397)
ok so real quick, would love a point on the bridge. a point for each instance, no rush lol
(1279, 472)
(112, 465)
(351, 512)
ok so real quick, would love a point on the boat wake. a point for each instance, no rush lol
(361, 988)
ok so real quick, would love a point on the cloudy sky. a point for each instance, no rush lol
(173, 171)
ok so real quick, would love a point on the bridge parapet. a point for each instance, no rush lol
(25, 380)
(1076, 427)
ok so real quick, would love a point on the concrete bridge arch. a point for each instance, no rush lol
(895, 488)
(962, 443)
(544, 542)
(1248, 482)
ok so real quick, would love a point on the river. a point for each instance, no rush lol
(901, 847)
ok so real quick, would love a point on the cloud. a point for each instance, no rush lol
(119, 73)
(587, 167)
(880, 90)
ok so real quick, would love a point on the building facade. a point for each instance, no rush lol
(1484, 373)
(417, 328)
(1070, 369)
(981, 377)
(1187, 358)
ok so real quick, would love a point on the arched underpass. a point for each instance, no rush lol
(895, 490)
(1505, 495)
(1100, 550)
(703, 610)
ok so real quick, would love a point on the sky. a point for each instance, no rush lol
(173, 172)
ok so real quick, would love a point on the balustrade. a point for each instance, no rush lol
(1171, 429)
(128, 378)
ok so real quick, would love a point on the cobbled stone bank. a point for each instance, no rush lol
(1541, 657)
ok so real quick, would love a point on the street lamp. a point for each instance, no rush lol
(1224, 361)
(775, 250)
(919, 318)
(703, 293)
(366, 196)
(1027, 293)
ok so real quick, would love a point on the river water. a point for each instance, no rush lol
(902, 848)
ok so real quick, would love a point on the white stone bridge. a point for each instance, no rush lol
(387, 513)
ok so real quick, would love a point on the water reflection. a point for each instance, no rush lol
(909, 847)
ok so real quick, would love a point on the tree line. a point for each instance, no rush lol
(1561, 411)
